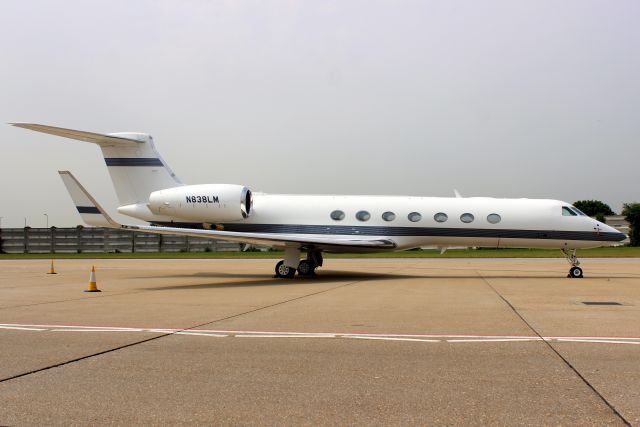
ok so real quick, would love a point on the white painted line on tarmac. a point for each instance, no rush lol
(593, 338)
(74, 327)
(497, 340)
(365, 337)
(285, 336)
(431, 338)
(97, 330)
(200, 334)
(19, 328)
(599, 341)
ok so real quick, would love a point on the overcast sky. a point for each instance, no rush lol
(493, 98)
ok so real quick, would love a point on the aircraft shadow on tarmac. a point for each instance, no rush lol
(327, 276)
(265, 280)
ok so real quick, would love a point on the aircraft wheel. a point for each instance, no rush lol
(284, 272)
(306, 268)
(576, 272)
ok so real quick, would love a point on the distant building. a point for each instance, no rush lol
(619, 223)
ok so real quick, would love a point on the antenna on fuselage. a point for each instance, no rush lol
(457, 194)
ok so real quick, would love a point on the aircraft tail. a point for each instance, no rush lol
(135, 166)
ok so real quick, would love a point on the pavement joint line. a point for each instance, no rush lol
(556, 352)
(102, 295)
(78, 359)
(290, 300)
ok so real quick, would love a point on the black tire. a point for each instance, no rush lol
(306, 268)
(284, 272)
(576, 273)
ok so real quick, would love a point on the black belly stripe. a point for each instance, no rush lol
(132, 161)
(411, 231)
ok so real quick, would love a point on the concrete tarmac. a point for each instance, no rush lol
(380, 341)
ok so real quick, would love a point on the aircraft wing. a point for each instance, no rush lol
(96, 138)
(93, 214)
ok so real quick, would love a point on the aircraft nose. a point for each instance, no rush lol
(609, 229)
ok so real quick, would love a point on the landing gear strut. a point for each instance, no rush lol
(575, 272)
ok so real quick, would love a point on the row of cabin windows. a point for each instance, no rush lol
(467, 218)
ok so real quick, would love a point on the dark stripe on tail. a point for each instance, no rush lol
(87, 209)
(132, 161)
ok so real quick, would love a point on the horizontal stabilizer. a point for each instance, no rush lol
(135, 166)
(90, 211)
(95, 138)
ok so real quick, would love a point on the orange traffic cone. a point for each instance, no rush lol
(93, 287)
(51, 269)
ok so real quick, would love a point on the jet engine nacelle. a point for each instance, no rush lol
(206, 203)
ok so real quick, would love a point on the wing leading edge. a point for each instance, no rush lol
(93, 214)
(95, 138)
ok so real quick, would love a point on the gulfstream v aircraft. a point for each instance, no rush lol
(149, 190)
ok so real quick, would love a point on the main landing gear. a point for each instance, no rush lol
(575, 272)
(286, 269)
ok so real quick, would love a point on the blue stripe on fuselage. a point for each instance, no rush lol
(412, 231)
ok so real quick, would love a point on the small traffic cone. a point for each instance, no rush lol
(93, 287)
(51, 269)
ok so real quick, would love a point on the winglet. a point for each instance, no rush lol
(90, 211)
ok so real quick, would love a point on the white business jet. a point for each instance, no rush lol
(149, 190)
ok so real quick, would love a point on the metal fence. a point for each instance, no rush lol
(101, 240)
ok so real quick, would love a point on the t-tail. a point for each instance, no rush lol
(135, 166)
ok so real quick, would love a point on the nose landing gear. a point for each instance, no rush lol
(575, 272)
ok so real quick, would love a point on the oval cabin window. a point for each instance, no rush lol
(388, 216)
(494, 218)
(414, 217)
(466, 218)
(440, 217)
(337, 215)
(363, 216)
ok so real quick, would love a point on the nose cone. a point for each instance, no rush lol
(616, 235)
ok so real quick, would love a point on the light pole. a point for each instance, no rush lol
(47, 220)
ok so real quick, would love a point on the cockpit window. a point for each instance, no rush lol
(573, 208)
(568, 212)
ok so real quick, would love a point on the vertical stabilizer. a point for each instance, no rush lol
(137, 170)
